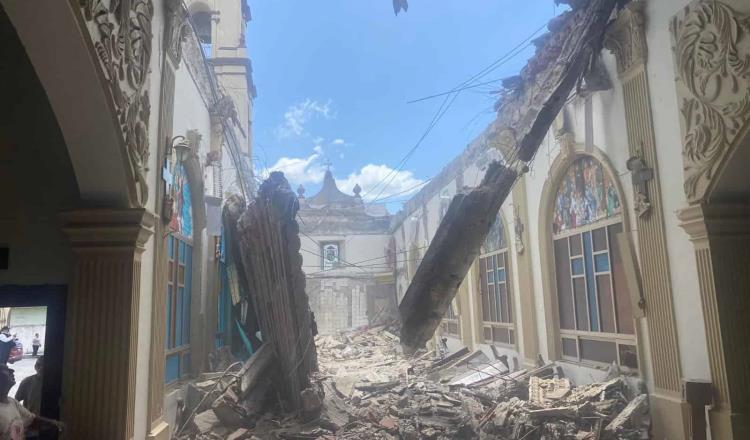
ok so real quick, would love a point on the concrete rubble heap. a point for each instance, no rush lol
(367, 389)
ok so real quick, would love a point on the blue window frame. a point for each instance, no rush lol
(180, 262)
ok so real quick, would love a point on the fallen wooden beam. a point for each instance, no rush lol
(455, 246)
(255, 369)
(531, 102)
(528, 106)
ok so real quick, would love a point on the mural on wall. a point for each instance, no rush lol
(182, 214)
(495, 238)
(586, 194)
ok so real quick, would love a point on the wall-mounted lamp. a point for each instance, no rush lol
(179, 147)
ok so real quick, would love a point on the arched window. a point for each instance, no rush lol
(451, 320)
(179, 279)
(202, 22)
(495, 287)
(596, 320)
(331, 255)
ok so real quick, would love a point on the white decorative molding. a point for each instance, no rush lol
(626, 37)
(713, 87)
(177, 29)
(121, 35)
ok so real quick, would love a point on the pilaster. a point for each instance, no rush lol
(626, 39)
(102, 322)
(522, 258)
(721, 238)
(175, 22)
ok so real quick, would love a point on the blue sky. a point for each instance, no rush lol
(334, 78)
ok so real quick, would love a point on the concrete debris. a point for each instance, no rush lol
(367, 389)
(206, 421)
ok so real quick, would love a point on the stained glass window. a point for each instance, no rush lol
(495, 286)
(586, 194)
(182, 212)
(179, 288)
(495, 238)
(592, 296)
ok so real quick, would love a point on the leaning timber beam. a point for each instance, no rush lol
(528, 106)
(453, 249)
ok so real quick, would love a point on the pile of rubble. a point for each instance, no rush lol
(366, 389)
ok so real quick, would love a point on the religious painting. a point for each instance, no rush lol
(182, 214)
(331, 257)
(586, 195)
(495, 238)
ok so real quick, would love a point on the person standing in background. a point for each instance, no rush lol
(30, 389)
(36, 343)
(7, 342)
(14, 418)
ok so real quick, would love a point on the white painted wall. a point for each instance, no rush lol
(356, 250)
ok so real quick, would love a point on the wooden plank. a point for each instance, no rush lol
(255, 369)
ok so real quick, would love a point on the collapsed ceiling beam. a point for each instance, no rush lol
(525, 115)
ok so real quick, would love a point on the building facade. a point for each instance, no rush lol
(125, 123)
(626, 241)
(345, 253)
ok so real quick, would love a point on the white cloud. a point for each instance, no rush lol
(318, 149)
(299, 114)
(373, 177)
(338, 142)
(300, 170)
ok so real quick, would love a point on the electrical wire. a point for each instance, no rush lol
(452, 95)
(444, 107)
(425, 182)
(484, 72)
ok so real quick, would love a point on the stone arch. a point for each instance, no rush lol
(106, 135)
(546, 248)
(714, 93)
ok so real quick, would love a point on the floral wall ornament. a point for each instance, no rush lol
(120, 31)
(177, 29)
(626, 37)
(713, 70)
